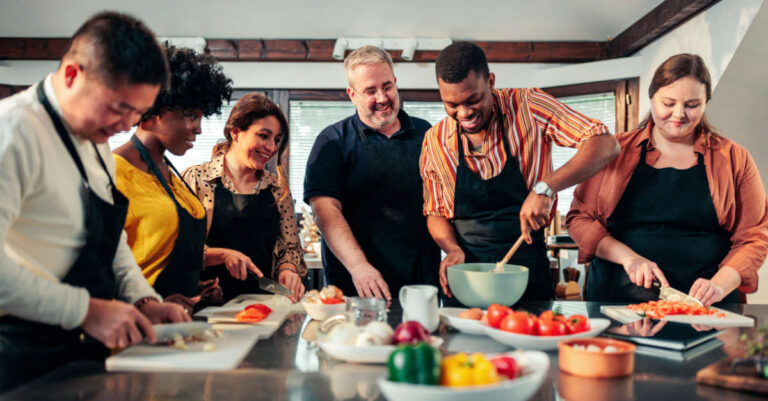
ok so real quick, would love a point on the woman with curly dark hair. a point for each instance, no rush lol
(166, 223)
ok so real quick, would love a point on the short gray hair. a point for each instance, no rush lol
(365, 55)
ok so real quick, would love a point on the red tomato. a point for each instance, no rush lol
(332, 301)
(520, 323)
(496, 314)
(577, 324)
(506, 366)
(547, 315)
(552, 327)
(260, 307)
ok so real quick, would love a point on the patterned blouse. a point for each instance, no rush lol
(202, 179)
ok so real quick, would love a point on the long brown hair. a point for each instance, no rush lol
(677, 67)
(251, 107)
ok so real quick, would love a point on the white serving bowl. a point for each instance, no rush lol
(323, 311)
(534, 364)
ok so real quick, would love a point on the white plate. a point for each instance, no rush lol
(165, 332)
(535, 365)
(371, 354)
(544, 343)
(469, 326)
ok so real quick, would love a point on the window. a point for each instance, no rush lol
(309, 117)
(213, 132)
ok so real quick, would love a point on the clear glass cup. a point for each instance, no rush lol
(362, 311)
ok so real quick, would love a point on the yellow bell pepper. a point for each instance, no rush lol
(463, 370)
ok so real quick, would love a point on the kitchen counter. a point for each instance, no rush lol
(288, 367)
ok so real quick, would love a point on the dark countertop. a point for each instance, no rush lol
(288, 367)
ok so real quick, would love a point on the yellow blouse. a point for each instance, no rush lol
(152, 224)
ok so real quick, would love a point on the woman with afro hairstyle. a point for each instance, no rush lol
(166, 222)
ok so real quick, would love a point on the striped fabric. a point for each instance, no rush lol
(532, 120)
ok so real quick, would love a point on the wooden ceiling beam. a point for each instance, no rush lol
(662, 19)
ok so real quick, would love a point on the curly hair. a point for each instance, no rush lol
(197, 83)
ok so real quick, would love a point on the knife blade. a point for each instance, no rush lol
(673, 295)
(270, 285)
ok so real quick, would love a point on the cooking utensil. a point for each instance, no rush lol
(270, 285)
(673, 295)
(475, 286)
(500, 264)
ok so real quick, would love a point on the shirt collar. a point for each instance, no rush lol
(215, 169)
(406, 125)
(703, 143)
(51, 95)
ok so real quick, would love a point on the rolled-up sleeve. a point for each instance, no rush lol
(560, 123)
(749, 234)
(288, 247)
(585, 224)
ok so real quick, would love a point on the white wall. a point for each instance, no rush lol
(739, 108)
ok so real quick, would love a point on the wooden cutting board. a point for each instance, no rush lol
(618, 312)
(719, 374)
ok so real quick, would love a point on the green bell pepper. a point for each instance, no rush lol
(414, 363)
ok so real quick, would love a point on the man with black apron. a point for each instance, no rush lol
(487, 167)
(363, 183)
(69, 281)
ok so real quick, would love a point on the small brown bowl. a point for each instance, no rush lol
(597, 364)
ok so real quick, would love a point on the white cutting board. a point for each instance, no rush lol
(224, 316)
(244, 300)
(729, 320)
(230, 349)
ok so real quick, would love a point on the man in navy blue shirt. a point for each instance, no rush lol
(363, 183)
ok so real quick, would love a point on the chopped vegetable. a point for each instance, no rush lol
(660, 309)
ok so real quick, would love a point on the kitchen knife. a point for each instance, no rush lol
(673, 295)
(271, 286)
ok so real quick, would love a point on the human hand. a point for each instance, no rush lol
(238, 264)
(534, 214)
(641, 272)
(164, 312)
(210, 293)
(187, 303)
(645, 327)
(453, 257)
(116, 324)
(369, 282)
(706, 291)
(291, 279)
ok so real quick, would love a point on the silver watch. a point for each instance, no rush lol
(542, 188)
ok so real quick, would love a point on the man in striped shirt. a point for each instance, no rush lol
(487, 167)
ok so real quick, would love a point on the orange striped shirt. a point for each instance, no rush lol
(532, 121)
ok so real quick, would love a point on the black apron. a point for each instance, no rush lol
(182, 273)
(667, 216)
(386, 218)
(249, 223)
(487, 221)
(30, 349)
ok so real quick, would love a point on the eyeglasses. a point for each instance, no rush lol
(371, 93)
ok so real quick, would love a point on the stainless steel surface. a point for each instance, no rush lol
(287, 366)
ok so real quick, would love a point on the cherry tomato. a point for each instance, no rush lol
(332, 301)
(506, 366)
(520, 323)
(552, 327)
(577, 324)
(547, 315)
(496, 314)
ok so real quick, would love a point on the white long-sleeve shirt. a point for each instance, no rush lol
(42, 216)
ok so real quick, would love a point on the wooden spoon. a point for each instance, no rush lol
(500, 264)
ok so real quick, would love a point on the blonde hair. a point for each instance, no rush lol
(364, 56)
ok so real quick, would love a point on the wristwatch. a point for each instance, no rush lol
(542, 188)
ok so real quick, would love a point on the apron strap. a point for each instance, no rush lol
(64, 135)
(144, 153)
